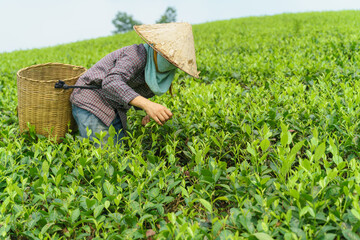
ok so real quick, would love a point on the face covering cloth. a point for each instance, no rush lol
(158, 82)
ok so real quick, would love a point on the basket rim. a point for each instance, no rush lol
(49, 64)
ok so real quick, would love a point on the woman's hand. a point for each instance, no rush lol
(158, 112)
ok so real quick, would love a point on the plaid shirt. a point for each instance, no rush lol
(121, 74)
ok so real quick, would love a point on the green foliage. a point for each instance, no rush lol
(169, 16)
(124, 22)
(264, 146)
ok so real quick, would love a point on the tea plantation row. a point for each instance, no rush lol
(264, 146)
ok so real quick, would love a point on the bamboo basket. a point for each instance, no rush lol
(40, 104)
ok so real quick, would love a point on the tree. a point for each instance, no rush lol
(124, 22)
(169, 16)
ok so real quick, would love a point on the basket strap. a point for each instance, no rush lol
(62, 84)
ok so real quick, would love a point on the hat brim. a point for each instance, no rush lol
(153, 46)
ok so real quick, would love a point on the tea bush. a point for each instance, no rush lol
(265, 145)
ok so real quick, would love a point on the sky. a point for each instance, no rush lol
(26, 24)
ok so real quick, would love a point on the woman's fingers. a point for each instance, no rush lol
(167, 111)
(157, 120)
(159, 113)
(161, 117)
(165, 116)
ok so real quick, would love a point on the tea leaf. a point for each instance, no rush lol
(265, 143)
(90, 203)
(206, 204)
(349, 235)
(98, 210)
(319, 152)
(108, 188)
(262, 236)
(45, 168)
(75, 215)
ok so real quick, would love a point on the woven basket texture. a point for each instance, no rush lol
(42, 105)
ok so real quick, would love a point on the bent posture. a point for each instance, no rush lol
(130, 76)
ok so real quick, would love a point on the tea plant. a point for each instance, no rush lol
(265, 145)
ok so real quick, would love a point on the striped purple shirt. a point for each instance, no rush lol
(122, 75)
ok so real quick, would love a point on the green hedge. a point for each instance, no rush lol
(265, 145)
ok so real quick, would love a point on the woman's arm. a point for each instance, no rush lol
(125, 66)
(158, 112)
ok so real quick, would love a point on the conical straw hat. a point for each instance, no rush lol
(174, 41)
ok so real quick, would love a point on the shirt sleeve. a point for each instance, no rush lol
(115, 86)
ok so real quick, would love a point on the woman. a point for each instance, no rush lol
(131, 75)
